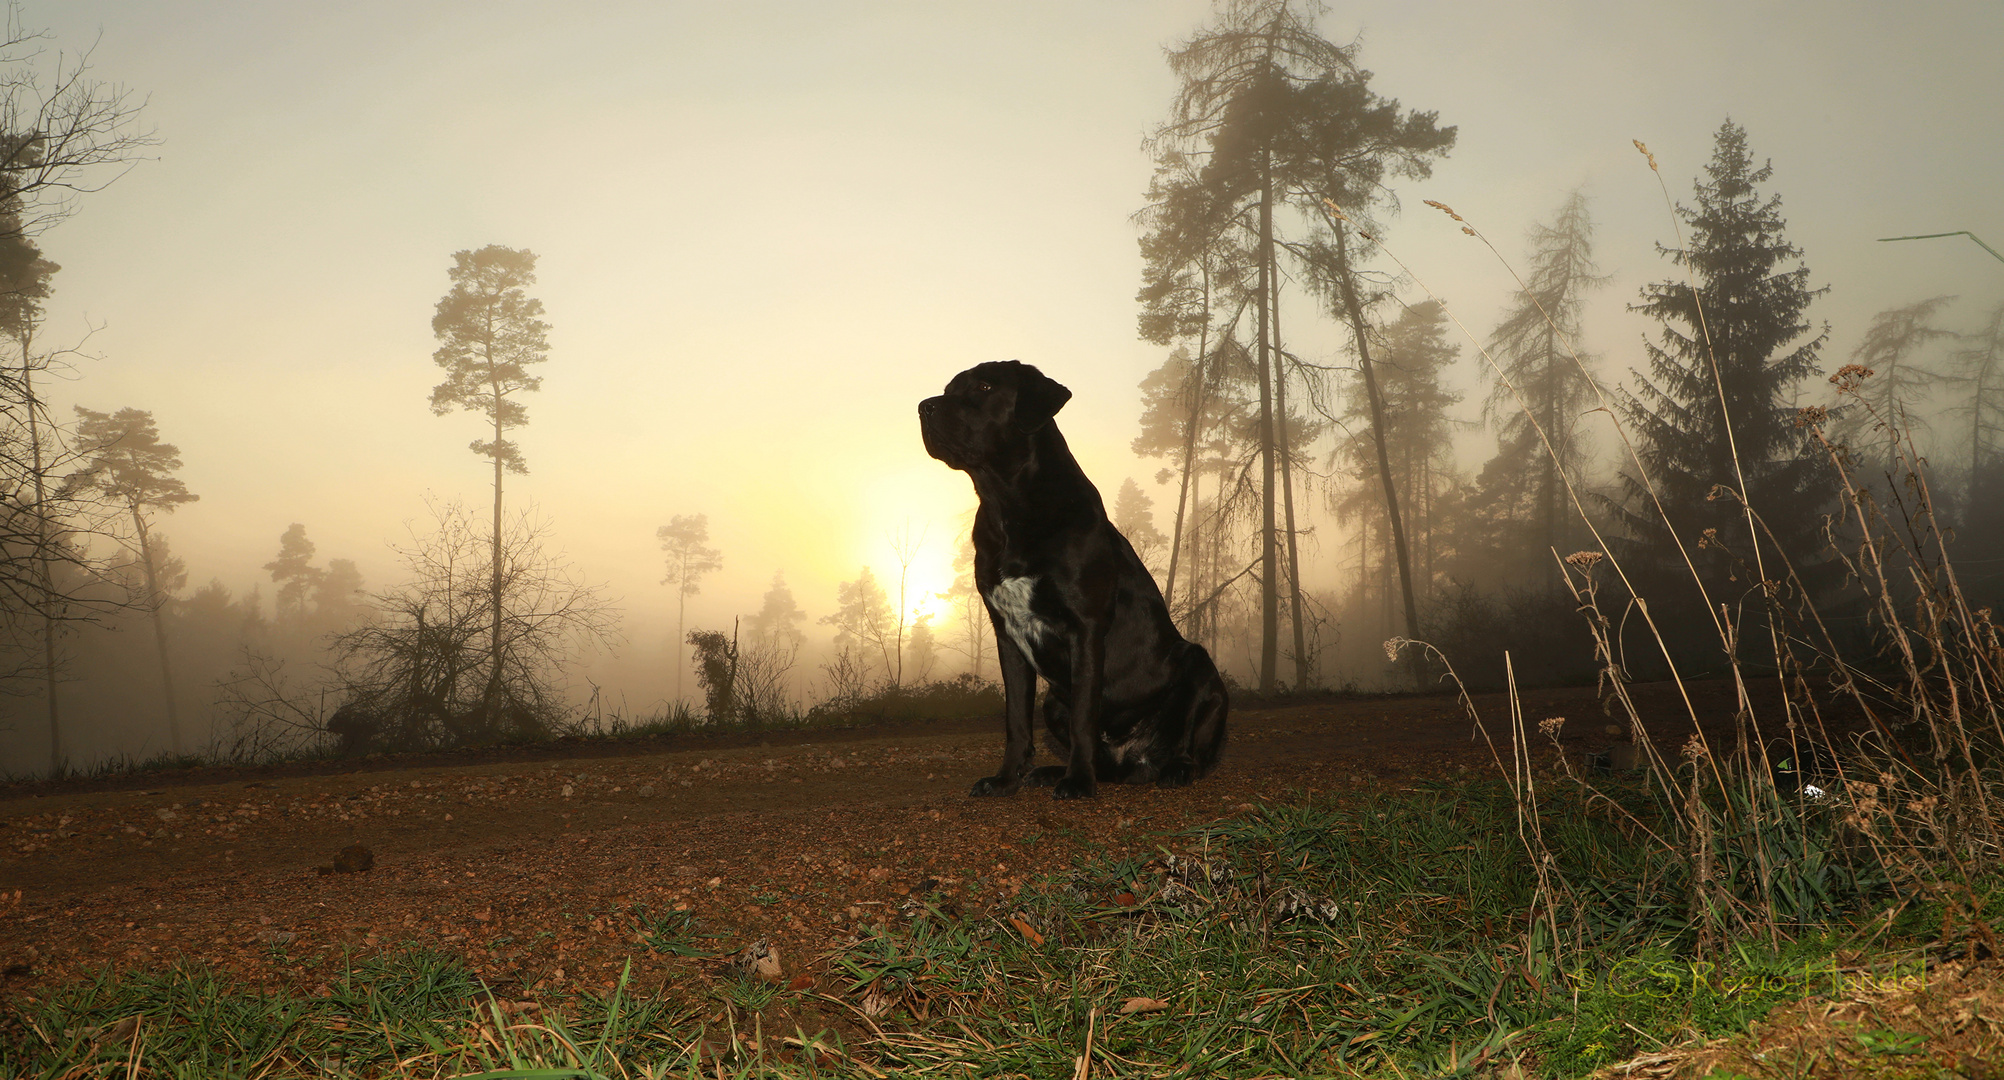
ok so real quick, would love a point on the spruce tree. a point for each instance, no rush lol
(1542, 387)
(1714, 419)
(1900, 380)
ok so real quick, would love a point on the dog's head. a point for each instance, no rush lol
(989, 413)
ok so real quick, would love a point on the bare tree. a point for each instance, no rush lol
(62, 134)
(906, 549)
(418, 676)
(973, 632)
(765, 667)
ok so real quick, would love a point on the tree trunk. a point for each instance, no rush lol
(681, 609)
(156, 601)
(904, 572)
(1554, 385)
(1975, 438)
(1190, 441)
(1269, 583)
(46, 580)
(494, 650)
(1348, 287)
(1287, 499)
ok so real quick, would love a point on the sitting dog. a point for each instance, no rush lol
(1127, 699)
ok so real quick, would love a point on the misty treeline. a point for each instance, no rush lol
(890, 651)
(104, 645)
(78, 490)
(1277, 168)
(472, 645)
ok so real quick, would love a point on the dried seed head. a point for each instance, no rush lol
(1335, 210)
(1694, 750)
(1444, 208)
(1646, 153)
(1549, 726)
(1395, 645)
(1468, 230)
(1585, 560)
(1811, 416)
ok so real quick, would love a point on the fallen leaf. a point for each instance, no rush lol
(801, 982)
(760, 958)
(116, 1032)
(1142, 1005)
(1124, 899)
(876, 1002)
(1029, 932)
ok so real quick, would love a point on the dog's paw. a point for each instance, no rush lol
(1176, 774)
(1074, 787)
(1044, 775)
(993, 785)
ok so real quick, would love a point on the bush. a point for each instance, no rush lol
(965, 696)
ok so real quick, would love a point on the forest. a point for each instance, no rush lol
(476, 599)
(1341, 462)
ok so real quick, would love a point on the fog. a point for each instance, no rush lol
(764, 234)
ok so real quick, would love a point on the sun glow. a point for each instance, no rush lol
(926, 596)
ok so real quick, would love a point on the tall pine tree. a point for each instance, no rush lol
(489, 334)
(1714, 421)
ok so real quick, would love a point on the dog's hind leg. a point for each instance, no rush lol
(1058, 737)
(1203, 725)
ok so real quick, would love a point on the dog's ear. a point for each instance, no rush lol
(1038, 398)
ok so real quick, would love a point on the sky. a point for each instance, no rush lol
(766, 231)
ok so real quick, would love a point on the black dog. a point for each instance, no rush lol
(1127, 698)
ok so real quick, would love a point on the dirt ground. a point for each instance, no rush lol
(530, 863)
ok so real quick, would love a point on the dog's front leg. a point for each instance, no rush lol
(1019, 692)
(1088, 661)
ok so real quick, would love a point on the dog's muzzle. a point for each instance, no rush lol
(932, 422)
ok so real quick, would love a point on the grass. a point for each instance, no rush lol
(1388, 935)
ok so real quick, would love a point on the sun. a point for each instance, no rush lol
(924, 595)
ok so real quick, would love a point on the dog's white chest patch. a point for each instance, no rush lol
(1011, 600)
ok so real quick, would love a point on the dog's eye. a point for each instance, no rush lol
(982, 387)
